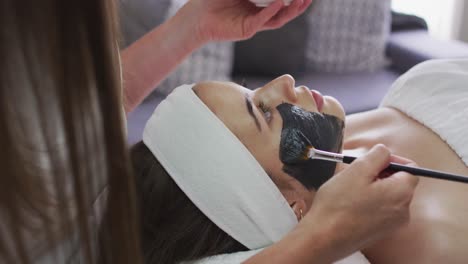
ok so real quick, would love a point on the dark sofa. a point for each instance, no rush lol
(408, 44)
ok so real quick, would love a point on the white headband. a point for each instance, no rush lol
(216, 171)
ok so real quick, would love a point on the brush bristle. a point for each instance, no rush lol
(308, 153)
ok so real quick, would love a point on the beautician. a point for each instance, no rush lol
(62, 138)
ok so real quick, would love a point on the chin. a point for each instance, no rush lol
(331, 106)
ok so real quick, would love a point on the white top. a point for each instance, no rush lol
(435, 93)
(239, 257)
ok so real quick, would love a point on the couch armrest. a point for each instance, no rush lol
(405, 49)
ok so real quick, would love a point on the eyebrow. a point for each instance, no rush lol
(248, 103)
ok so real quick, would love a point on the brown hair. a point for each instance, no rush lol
(173, 229)
(61, 133)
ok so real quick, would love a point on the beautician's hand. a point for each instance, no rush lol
(222, 20)
(361, 204)
(356, 207)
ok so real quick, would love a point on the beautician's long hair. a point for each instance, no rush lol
(61, 135)
(173, 229)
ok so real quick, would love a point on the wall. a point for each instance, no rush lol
(463, 29)
(442, 16)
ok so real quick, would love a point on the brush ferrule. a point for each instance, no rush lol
(325, 155)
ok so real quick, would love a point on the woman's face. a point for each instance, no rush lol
(254, 118)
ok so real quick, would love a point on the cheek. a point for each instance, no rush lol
(302, 129)
(264, 150)
(292, 188)
(269, 159)
(331, 106)
(274, 161)
(310, 194)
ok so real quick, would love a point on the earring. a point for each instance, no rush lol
(301, 215)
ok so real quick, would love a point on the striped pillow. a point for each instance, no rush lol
(211, 62)
(347, 35)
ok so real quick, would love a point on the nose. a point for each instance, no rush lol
(281, 89)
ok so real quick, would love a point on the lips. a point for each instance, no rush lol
(318, 99)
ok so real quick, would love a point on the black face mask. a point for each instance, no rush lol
(302, 129)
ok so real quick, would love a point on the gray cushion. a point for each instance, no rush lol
(408, 48)
(138, 17)
(273, 52)
(137, 119)
(347, 35)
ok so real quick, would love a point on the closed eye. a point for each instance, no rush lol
(248, 103)
(266, 110)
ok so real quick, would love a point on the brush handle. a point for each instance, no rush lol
(418, 171)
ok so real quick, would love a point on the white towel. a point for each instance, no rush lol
(239, 257)
(435, 93)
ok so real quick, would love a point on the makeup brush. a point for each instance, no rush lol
(313, 153)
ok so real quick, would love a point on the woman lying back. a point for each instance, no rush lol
(422, 118)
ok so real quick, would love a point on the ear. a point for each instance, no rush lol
(298, 197)
(299, 207)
